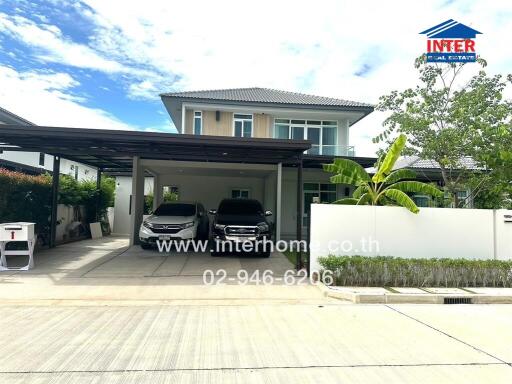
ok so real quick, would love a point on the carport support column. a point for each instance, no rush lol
(98, 196)
(278, 200)
(137, 200)
(55, 201)
(157, 192)
(299, 213)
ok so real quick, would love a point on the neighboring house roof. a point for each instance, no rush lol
(451, 29)
(414, 162)
(267, 95)
(7, 117)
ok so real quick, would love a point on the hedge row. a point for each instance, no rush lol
(385, 271)
(28, 198)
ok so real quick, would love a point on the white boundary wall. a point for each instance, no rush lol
(394, 231)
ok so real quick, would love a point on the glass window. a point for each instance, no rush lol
(240, 193)
(41, 159)
(282, 131)
(421, 200)
(326, 192)
(247, 128)
(243, 125)
(322, 134)
(314, 137)
(329, 136)
(243, 116)
(198, 122)
(298, 133)
(328, 187)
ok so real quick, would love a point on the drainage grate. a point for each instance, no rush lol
(457, 300)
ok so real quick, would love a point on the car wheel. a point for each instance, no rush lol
(145, 246)
(214, 254)
(265, 254)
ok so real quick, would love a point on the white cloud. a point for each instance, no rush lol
(54, 47)
(160, 46)
(290, 45)
(46, 99)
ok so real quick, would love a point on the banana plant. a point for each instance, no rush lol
(386, 186)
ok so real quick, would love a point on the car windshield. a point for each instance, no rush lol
(240, 207)
(176, 210)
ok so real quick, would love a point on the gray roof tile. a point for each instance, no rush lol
(267, 95)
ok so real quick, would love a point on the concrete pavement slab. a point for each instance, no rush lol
(62, 339)
(443, 374)
(487, 327)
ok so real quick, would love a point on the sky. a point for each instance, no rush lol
(102, 64)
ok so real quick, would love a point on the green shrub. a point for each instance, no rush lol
(28, 198)
(385, 271)
(25, 198)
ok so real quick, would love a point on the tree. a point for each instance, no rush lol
(385, 187)
(449, 119)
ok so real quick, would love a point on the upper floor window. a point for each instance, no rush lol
(242, 125)
(321, 133)
(198, 122)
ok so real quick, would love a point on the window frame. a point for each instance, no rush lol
(318, 191)
(305, 127)
(235, 119)
(200, 118)
(240, 190)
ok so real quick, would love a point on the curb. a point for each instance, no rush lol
(403, 298)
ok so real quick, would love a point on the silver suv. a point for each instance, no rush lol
(175, 220)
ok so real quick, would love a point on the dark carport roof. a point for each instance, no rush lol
(114, 150)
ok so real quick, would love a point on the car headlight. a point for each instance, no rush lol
(220, 226)
(263, 227)
(147, 224)
(187, 225)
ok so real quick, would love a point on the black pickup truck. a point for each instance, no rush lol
(239, 221)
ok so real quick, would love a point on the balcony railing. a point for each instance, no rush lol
(331, 150)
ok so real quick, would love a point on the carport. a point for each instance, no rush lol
(138, 153)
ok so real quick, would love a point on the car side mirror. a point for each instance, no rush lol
(212, 211)
(200, 214)
(268, 213)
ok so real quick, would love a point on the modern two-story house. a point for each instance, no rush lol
(246, 143)
(245, 114)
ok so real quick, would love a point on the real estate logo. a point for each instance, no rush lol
(451, 42)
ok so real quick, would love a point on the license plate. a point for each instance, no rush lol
(164, 238)
(240, 239)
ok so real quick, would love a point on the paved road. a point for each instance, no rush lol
(269, 343)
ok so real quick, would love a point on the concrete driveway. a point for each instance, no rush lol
(109, 270)
(99, 312)
(330, 343)
(112, 257)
